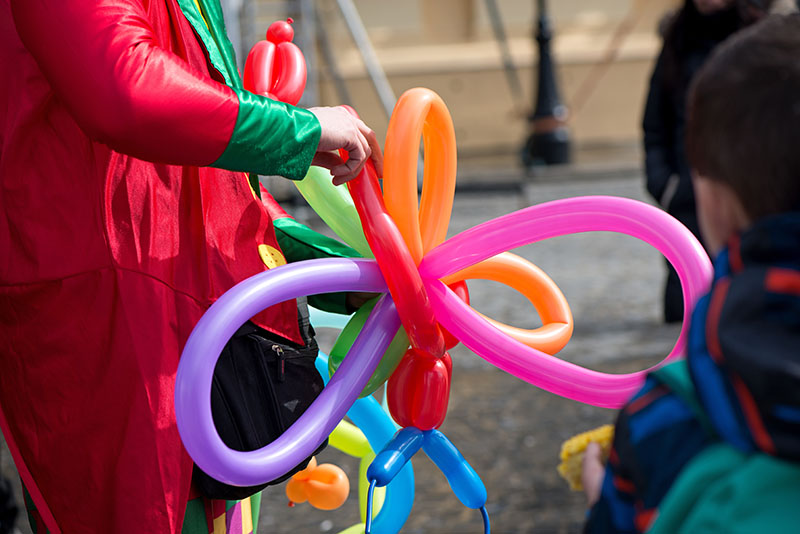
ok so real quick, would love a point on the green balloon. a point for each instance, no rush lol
(334, 206)
(391, 358)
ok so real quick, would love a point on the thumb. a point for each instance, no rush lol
(593, 472)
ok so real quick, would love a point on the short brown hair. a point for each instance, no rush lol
(743, 126)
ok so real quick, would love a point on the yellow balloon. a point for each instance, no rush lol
(334, 206)
(378, 495)
(350, 440)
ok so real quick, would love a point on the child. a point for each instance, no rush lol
(712, 444)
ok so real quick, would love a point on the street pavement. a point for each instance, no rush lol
(509, 430)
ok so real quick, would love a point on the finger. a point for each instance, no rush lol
(328, 160)
(358, 152)
(341, 176)
(592, 472)
(375, 147)
(339, 180)
(593, 452)
(363, 143)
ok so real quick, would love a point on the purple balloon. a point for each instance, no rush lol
(224, 317)
(552, 219)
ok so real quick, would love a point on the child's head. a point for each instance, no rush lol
(743, 129)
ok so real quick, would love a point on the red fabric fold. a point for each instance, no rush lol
(114, 243)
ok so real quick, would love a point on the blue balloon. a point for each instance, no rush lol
(463, 479)
(379, 428)
(394, 455)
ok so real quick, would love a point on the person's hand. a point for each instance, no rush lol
(593, 472)
(340, 129)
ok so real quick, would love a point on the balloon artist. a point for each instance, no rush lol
(128, 161)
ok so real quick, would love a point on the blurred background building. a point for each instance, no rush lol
(603, 51)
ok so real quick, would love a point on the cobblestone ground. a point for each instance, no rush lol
(508, 430)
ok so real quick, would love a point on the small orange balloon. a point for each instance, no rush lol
(306, 473)
(325, 486)
(296, 491)
(328, 487)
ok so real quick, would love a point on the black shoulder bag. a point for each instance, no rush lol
(262, 384)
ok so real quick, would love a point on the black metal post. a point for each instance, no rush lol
(548, 142)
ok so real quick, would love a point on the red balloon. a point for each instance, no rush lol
(258, 68)
(290, 73)
(395, 262)
(460, 289)
(419, 390)
(280, 31)
(276, 68)
(448, 364)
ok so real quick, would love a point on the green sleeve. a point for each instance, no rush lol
(299, 242)
(270, 138)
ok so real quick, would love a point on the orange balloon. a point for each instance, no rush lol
(420, 113)
(306, 473)
(328, 487)
(523, 276)
(296, 490)
(324, 486)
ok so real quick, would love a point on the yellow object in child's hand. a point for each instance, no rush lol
(572, 453)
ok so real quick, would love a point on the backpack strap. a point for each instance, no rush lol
(676, 377)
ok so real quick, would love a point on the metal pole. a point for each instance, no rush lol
(305, 28)
(379, 80)
(548, 142)
(373, 66)
(330, 61)
(512, 77)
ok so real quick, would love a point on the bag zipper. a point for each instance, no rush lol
(276, 412)
(277, 349)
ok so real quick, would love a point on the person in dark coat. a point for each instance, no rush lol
(694, 31)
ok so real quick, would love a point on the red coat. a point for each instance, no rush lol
(115, 238)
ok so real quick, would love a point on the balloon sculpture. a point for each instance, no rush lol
(422, 276)
(276, 68)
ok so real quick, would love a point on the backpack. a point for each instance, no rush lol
(722, 489)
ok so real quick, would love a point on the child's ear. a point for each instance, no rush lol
(720, 213)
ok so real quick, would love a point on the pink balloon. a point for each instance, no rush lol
(552, 219)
